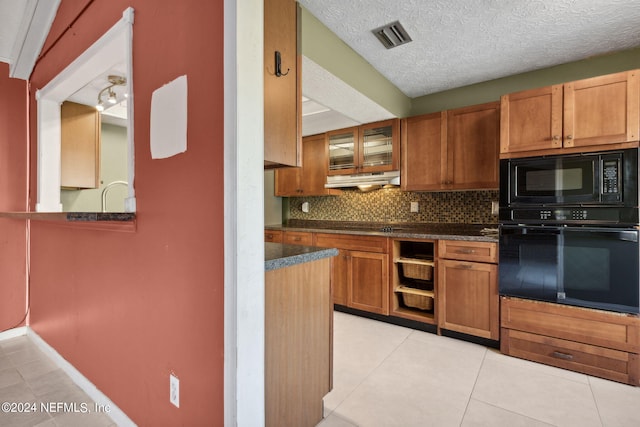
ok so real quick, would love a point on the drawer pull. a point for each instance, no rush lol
(465, 266)
(466, 251)
(297, 239)
(563, 356)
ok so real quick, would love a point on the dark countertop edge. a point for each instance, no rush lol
(406, 234)
(72, 216)
(279, 255)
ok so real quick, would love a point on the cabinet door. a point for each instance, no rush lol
(424, 141)
(602, 110)
(468, 298)
(369, 285)
(282, 94)
(531, 120)
(288, 182)
(314, 165)
(80, 146)
(380, 146)
(343, 154)
(473, 135)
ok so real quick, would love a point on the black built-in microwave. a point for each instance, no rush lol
(587, 188)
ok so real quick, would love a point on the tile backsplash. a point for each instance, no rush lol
(393, 205)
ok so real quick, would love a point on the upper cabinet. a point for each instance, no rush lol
(79, 146)
(309, 179)
(582, 115)
(374, 147)
(282, 84)
(451, 150)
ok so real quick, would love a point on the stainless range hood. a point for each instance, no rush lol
(363, 179)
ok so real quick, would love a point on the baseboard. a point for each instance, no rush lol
(13, 333)
(115, 413)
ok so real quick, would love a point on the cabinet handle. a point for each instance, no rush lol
(465, 266)
(269, 236)
(297, 239)
(563, 356)
(556, 137)
(466, 251)
(569, 137)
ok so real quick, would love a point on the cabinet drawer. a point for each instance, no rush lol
(352, 242)
(273, 236)
(297, 238)
(588, 359)
(595, 327)
(468, 251)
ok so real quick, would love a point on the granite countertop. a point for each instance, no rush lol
(278, 255)
(435, 231)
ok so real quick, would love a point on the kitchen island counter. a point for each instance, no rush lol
(435, 231)
(278, 255)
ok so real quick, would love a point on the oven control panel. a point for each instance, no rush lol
(564, 215)
(574, 214)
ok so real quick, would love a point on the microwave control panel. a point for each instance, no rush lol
(610, 176)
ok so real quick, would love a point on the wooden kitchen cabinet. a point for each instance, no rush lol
(594, 342)
(309, 179)
(297, 238)
(282, 88)
(360, 273)
(589, 114)
(298, 343)
(468, 288)
(373, 147)
(452, 150)
(273, 236)
(80, 146)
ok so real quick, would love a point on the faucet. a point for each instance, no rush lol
(106, 189)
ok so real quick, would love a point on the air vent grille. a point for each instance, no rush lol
(392, 35)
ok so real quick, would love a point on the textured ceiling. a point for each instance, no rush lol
(461, 42)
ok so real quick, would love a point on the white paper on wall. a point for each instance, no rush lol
(169, 119)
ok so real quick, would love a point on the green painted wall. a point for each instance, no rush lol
(325, 49)
(492, 90)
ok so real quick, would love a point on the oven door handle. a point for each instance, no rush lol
(521, 230)
(609, 234)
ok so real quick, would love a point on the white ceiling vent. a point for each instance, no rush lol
(392, 35)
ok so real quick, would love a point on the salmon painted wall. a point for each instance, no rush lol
(127, 308)
(13, 197)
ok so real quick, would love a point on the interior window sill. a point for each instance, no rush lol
(114, 221)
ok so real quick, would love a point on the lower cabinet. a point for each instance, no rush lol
(360, 273)
(593, 342)
(468, 289)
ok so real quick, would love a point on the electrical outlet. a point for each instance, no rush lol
(495, 207)
(415, 207)
(174, 390)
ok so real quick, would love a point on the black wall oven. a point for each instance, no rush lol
(569, 230)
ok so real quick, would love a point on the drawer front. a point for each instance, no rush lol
(596, 327)
(588, 359)
(273, 236)
(468, 251)
(352, 242)
(297, 238)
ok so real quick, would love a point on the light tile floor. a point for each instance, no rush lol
(28, 376)
(387, 375)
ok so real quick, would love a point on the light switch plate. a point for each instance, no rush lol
(415, 207)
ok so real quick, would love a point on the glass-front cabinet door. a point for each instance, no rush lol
(343, 151)
(373, 147)
(380, 145)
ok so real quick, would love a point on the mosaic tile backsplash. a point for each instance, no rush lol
(393, 205)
